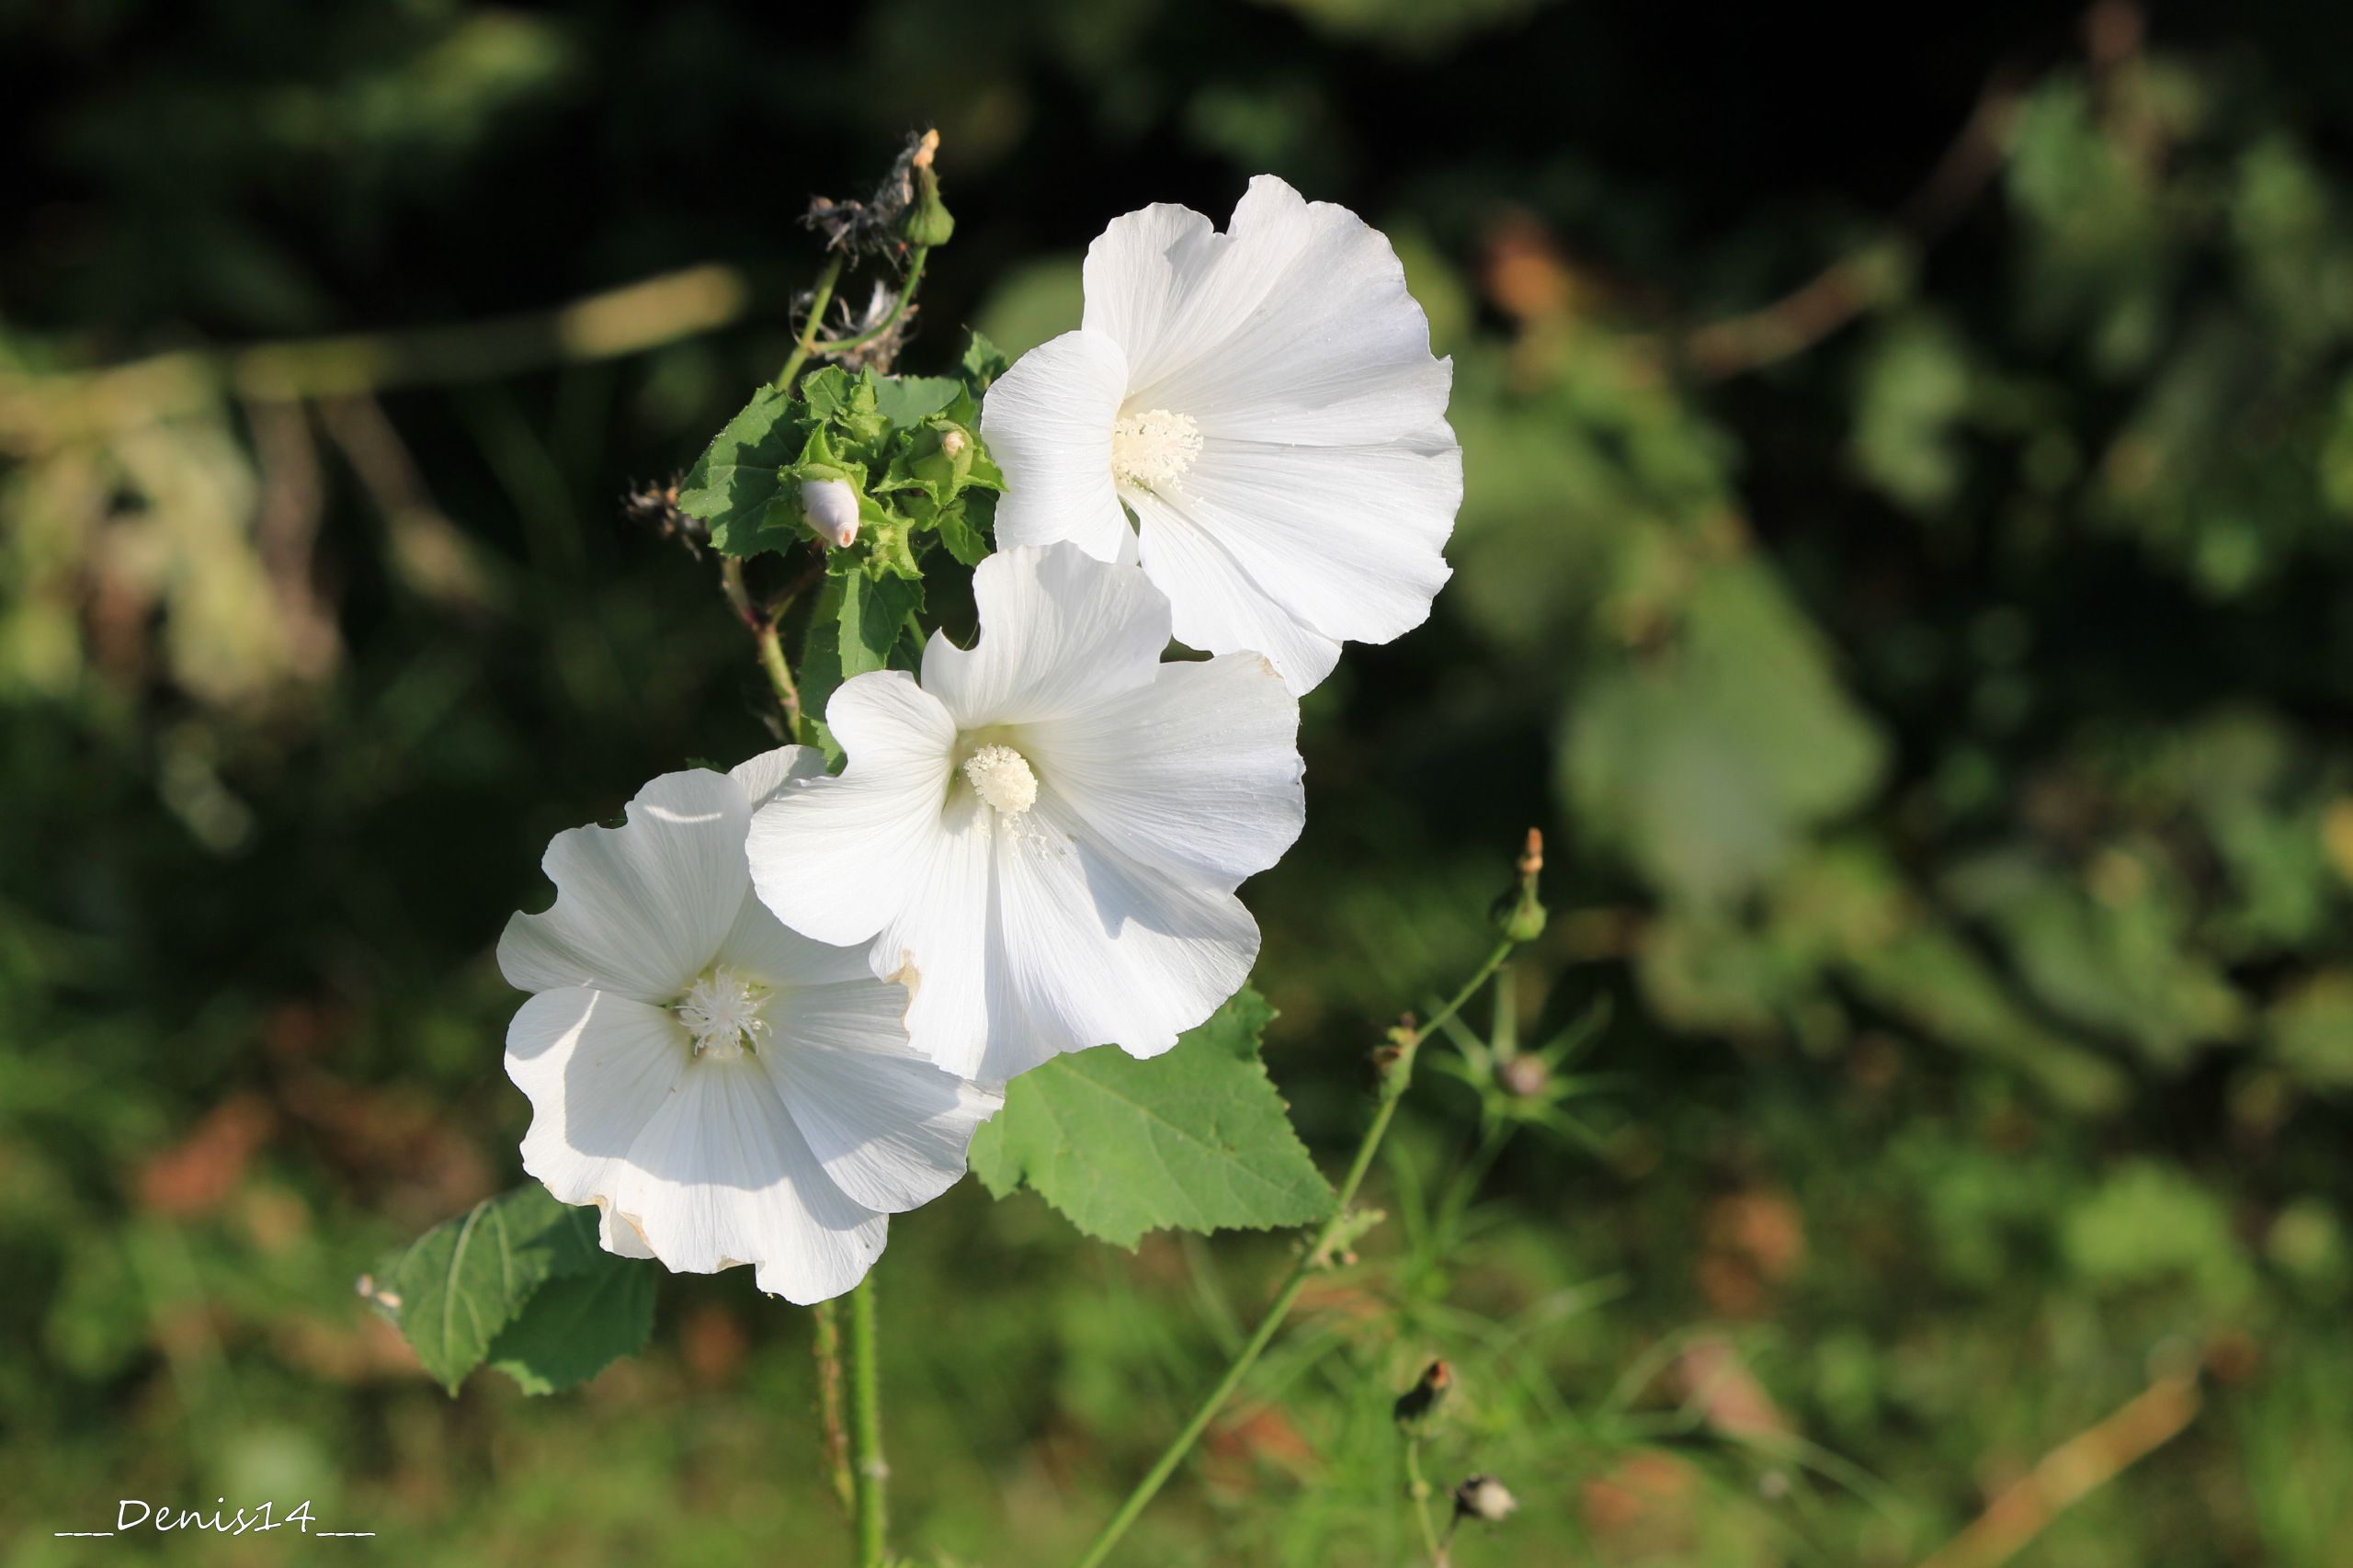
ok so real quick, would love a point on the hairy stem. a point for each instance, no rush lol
(766, 623)
(868, 1471)
(822, 297)
(1394, 1081)
(828, 1347)
(780, 676)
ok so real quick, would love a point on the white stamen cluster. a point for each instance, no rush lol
(1001, 778)
(1152, 449)
(722, 1010)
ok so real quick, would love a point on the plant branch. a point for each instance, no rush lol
(1876, 273)
(766, 623)
(818, 301)
(867, 1471)
(828, 1347)
(1397, 1074)
(1419, 1489)
(2069, 1473)
(906, 295)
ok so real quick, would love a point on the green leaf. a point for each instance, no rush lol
(1197, 1139)
(574, 1327)
(738, 484)
(960, 532)
(847, 403)
(909, 400)
(983, 363)
(455, 1287)
(874, 612)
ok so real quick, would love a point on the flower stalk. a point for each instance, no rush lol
(818, 300)
(867, 1471)
(1396, 1060)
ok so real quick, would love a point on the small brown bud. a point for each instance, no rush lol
(1418, 1401)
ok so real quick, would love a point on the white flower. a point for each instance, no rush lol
(1265, 402)
(725, 1090)
(1042, 839)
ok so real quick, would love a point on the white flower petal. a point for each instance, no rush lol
(890, 1127)
(1048, 424)
(938, 944)
(1294, 327)
(639, 908)
(595, 1068)
(1142, 282)
(722, 1176)
(1198, 776)
(766, 776)
(836, 859)
(763, 948)
(1218, 606)
(1058, 633)
(1349, 540)
(1098, 949)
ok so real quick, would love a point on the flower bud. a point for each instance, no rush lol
(1525, 1076)
(1418, 1400)
(1484, 1497)
(1517, 914)
(831, 507)
(948, 461)
(927, 221)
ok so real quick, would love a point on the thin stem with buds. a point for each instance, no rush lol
(1397, 1074)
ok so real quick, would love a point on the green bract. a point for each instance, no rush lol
(909, 448)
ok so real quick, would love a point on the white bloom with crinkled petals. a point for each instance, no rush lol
(1264, 402)
(724, 1091)
(1041, 839)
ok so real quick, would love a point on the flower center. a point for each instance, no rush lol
(1001, 778)
(1151, 451)
(722, 1010)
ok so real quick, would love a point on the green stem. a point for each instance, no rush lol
(766, 627)
(780, 676)
(828, 1347)
(867, 1470)
(906, 293)
(817, 303)
(1393, 1084)
(1418, 1490)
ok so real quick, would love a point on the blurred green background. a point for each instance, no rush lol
(1907, 568)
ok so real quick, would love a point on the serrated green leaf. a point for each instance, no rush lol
(466, 1279)
(736, 484)
(847, 403)
(1198, 1140)
(874, 612)
(983, 363)
(906, 401)
(574, 1326)
(957, 531)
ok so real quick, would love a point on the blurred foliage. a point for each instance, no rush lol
(1907, 566)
